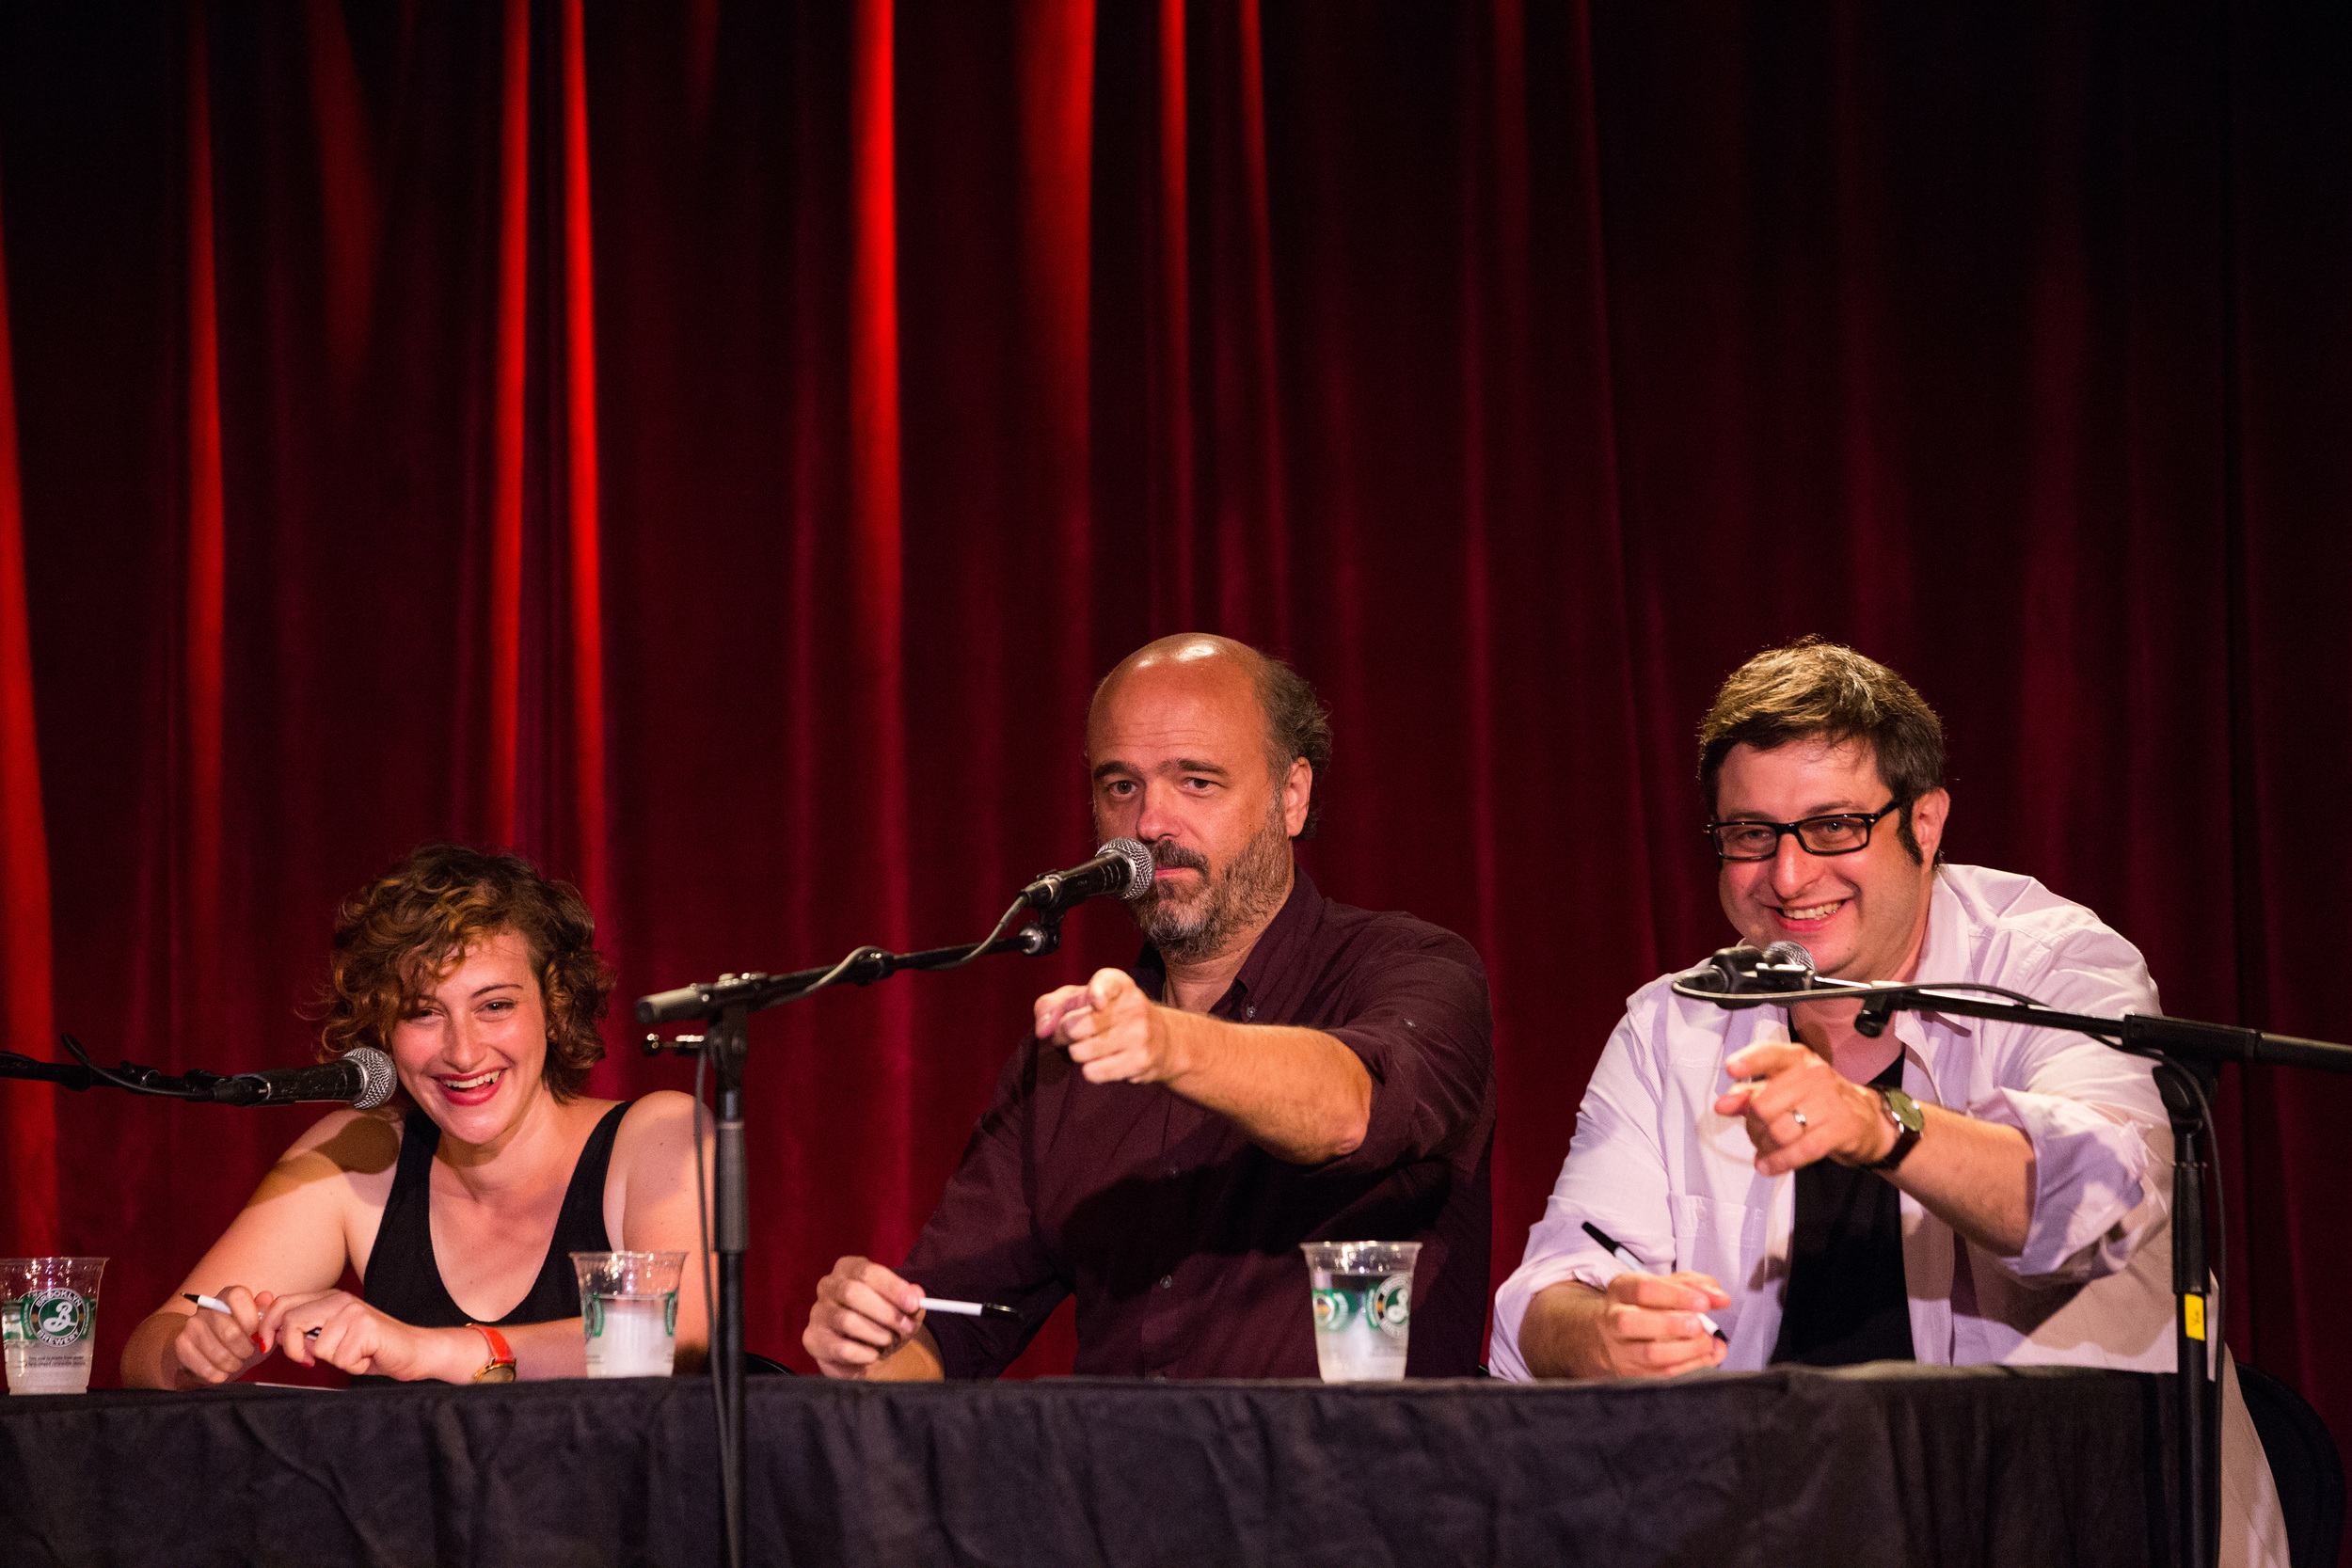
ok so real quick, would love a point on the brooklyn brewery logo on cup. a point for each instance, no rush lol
(1387, 1307)
(53, 1317)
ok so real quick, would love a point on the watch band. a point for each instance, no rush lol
(1908, 1123)
(500, 1367)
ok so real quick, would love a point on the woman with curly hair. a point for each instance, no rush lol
(458, 1203)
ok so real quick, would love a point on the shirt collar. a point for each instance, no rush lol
(1944, 952)
(1944, 955)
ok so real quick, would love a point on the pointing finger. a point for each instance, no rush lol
(1054, 1005)
(1762, 1061)
(1104, 988)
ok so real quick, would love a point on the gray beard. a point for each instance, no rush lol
(1246, 893)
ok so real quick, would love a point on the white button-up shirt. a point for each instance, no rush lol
(1653, 1166)
(1656, 1168)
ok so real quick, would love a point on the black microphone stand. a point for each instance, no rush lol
(2188, 1055)
(725, 1006)
(196, 1083)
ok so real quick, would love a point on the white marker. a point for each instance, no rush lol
(968, 1308)
(1617, 1250)
(213, 1304)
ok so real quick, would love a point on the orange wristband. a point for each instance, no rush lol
(500, 1367)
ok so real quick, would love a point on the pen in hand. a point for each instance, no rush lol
(1617, 1250)
(969, 1309)
(213, 1304)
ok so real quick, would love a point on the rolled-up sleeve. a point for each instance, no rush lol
(1424, 1030)
(1615, 1178)
(2091, 1111)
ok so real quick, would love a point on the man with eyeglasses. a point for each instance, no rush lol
(1953, 1191)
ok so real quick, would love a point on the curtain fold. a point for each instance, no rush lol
(199, 910)
(28, 1112)
(581, 532)
(716, 451)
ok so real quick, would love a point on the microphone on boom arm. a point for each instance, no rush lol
(1742, 977)
(1122, 868)
(362, 1077)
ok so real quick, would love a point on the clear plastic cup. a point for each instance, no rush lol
(628, 1311)
(49, 1322)
(1361, 1294)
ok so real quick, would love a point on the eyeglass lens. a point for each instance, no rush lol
(1821, 836)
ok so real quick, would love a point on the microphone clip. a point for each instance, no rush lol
(1877, 1012)
(1736, 978)
(1042, 935)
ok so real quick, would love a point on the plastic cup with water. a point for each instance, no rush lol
(49, 1322)
(628, 1311)
(1361, 1294)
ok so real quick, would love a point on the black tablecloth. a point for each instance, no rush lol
(1886, 1465)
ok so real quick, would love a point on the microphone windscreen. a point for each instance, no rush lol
(1790, 953)
(376, 1077)
(1139, 867)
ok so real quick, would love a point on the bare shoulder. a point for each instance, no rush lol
(658, 1121)
(353, 1142)
(652, 1171)
(341, 1150)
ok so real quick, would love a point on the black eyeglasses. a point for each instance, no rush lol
(1840, 834)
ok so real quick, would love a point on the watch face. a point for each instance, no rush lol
(1905, 1111)
(503, 1371)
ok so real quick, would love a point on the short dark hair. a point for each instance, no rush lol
(1296, 725)
(1818, 689)
(398, 935)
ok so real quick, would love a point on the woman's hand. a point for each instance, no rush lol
(213, 1347)
(340, 1329)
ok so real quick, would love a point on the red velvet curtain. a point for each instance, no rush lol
(714, 448)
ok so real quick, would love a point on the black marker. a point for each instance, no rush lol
(1617, 1250)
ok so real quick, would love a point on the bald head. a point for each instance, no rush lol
(1219, 671)
(1197, 658)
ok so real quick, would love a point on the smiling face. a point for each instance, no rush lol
(1863, 915)
(471, 1051)
(1178, 745)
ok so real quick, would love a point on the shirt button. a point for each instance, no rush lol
(1166, 1280)
(1249, 1013)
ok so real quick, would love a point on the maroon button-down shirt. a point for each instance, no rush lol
(1177, 1235)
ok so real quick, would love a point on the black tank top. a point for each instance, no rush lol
(403, 1281)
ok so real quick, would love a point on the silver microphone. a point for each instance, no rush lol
(361, 1077)
(1741, 977)
(1122, 868)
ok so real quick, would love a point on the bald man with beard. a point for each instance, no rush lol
(1272, 1068)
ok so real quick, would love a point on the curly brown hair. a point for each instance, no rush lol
(400, 933)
